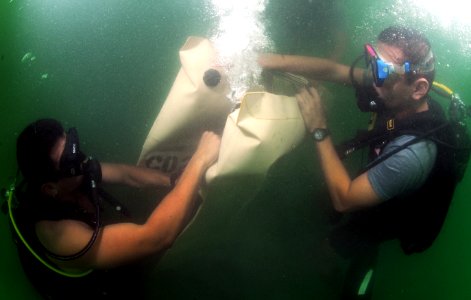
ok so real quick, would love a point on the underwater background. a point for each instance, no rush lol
(106, 68)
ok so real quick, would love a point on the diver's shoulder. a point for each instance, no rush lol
(55, 234)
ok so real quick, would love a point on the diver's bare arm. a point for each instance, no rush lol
(133, 175)
(311, 67)
(122, 243)
(346, 193)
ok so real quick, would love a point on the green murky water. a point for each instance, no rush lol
(106, 68)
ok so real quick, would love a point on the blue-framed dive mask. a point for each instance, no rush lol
(72, 159)
(381, 69)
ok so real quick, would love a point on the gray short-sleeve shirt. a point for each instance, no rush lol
(404, 171)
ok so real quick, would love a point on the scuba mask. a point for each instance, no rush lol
(72, 158)
(377, 72)
(74, 163)
(380, 69)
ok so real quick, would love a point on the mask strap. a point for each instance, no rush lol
(352, 68)
(425, 66)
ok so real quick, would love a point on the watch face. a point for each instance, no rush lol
(319, 134)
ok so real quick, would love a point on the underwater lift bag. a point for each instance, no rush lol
(191, 108)
(265, 127)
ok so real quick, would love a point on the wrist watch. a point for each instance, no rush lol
(319, 134)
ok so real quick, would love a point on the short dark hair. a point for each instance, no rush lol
(33, 150)
(416, 49)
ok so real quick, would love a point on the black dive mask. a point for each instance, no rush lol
(71, 162)
(74, 163)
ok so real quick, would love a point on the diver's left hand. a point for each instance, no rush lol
(311, 108)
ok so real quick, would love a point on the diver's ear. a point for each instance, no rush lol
(50, 189)
(421, 87)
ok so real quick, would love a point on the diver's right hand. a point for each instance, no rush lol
(311, 108)
(208, 148)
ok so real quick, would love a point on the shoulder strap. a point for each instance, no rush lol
(411, 142)
(386, 128)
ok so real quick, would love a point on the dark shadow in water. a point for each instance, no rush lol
(246, 244)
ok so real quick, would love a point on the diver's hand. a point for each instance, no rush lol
(208, 149)
(311, 108)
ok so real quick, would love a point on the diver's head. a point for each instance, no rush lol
(401, 65)
(33, 150)
(48, 157)
(417, 56)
